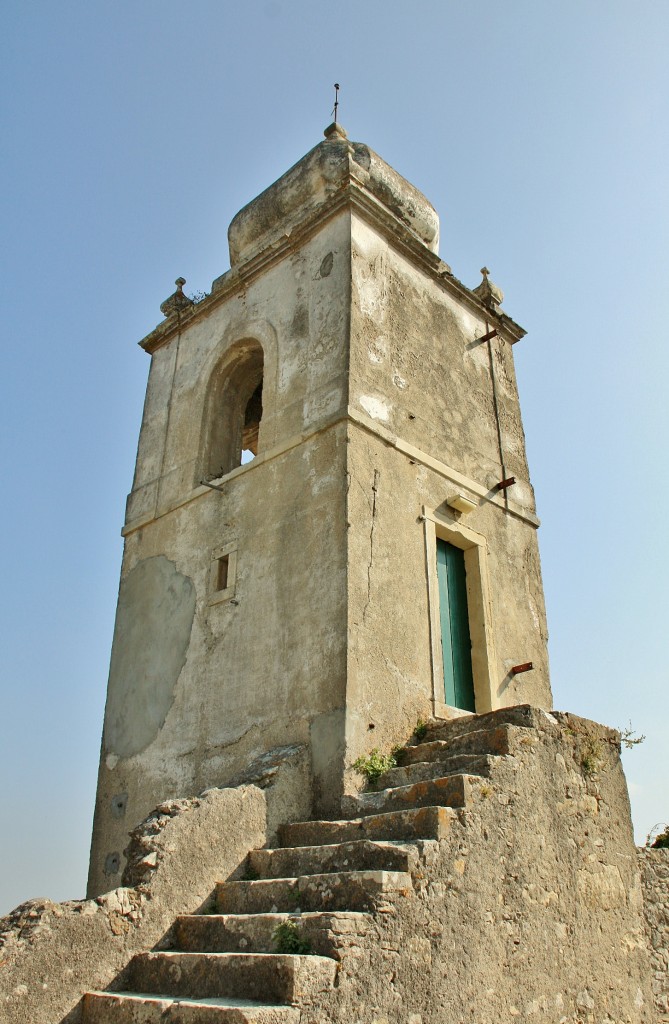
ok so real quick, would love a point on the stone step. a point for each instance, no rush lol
(340, 890)
(266, 977)
(409, 825)
(523, 716)
(476, 743)
(360, 855)
(451, 791)
(134, 1008)
(422, 771)
(327, 933)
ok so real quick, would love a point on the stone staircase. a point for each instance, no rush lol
(331, 879)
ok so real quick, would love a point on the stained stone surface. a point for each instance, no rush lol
(154, 618)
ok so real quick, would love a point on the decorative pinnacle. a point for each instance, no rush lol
(490, 294)
(335, 131)
(177, 301)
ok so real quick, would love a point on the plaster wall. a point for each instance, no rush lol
(378, 403)
(423, 427)
(299, 312)
(203, 685)
(419, 370)
(394, 670)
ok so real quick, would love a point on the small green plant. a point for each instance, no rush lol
(628, 738)
(374, 765)
(400, 754)
(591, 755)
(591, 750)
(658, 840)
(420, 732)
(288, 938)
(198, 297)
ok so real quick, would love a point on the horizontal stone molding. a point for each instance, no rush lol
(485, 494)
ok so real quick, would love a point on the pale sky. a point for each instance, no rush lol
(134, 132)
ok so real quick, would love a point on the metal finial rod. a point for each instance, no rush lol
(336, 106)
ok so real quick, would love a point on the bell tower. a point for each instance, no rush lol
(331, 531)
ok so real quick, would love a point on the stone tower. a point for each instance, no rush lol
(331, 532)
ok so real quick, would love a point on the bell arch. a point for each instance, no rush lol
(233, 410)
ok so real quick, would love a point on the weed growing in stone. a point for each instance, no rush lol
(628, 739)
(656, 839)
(420, 732)
(374, 765)
(592, 749)
(400, 754)
(591, 755)
(288, 938)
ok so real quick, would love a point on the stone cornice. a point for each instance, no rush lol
(354, 197)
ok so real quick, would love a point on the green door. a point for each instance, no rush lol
(455, 642)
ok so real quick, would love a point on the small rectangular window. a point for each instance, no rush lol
(223, 573)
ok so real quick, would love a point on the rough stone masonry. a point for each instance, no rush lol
(516, 897)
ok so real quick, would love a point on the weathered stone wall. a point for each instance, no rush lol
(419, 369)
(654, 866)
(395, 674)
(529, 908)
(51, 953)
(527, 904)
(201, 688)
(431, 419)
(378, 402)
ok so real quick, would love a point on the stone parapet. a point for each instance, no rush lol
(51, 953)
(654, 865)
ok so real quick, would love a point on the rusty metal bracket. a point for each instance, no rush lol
(213, 487)
(526, 667)
(487, 337)
(503, 484)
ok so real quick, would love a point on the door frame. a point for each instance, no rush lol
(479, 609)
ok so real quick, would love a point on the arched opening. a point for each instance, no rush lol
(251, 427)
(233, 411)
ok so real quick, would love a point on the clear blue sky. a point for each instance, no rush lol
(132, 134)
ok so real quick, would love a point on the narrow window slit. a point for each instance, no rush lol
(222, 570)
(252, 417)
